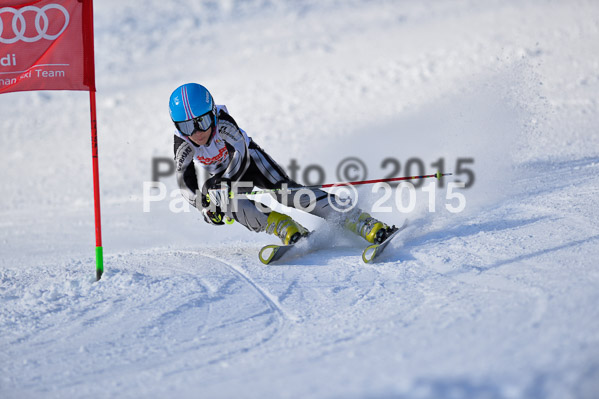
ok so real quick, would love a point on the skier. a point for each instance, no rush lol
(207, 136)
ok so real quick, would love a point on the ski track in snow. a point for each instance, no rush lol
(187, 318)
(272, 301)
(499, 301)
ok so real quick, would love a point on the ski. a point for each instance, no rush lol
(375, 250)
(276, 252)
(273, 252)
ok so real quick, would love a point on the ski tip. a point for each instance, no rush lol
(267, 253)
(369, 253)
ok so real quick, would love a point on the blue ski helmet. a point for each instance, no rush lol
(191, 101)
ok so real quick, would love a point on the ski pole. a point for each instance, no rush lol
(438, 175)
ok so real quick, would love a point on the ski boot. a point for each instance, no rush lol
(288, 230)
(372, 230)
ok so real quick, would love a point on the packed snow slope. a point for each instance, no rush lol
(497, 301)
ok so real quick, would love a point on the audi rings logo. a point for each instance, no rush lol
(43, 27)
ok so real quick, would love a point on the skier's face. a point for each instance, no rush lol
(201, 137)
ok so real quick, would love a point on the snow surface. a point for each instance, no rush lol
(498, 301)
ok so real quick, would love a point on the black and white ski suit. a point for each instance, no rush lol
(232, 156)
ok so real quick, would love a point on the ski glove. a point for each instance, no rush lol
(215, 218)
(219, 193)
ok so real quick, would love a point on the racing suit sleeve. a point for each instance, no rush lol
(185, 172)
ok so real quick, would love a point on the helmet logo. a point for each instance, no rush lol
(177, 101)
(207, 98)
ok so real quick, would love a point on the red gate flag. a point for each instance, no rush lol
(49, 45)
(46, 45)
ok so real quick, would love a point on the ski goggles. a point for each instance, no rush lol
(202, 123)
